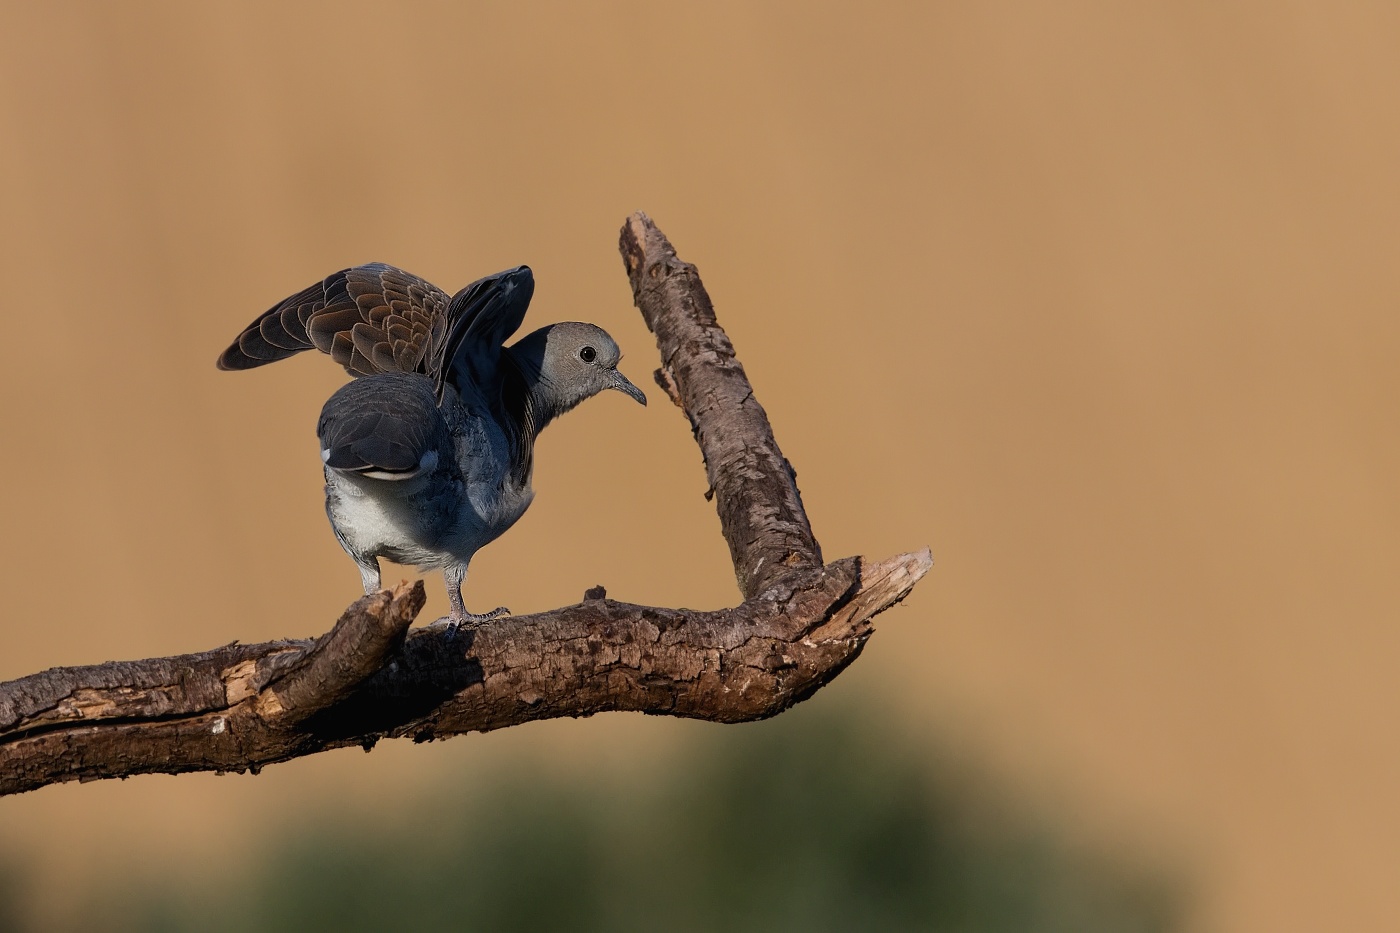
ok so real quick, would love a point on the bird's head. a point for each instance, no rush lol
(569, 362)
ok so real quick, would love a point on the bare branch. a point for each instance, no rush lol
(755, 488)
(241, 707)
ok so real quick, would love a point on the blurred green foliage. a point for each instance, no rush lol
(800, 823)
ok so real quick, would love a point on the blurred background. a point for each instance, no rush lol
(1097, 300)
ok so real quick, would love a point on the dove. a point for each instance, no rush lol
(429, 452)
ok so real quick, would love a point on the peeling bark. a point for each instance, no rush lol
(241, 707)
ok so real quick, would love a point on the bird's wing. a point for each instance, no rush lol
(480, 319)
(386, 427)
(370, 319)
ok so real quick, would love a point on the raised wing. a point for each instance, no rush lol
(370, 319)
(481, 318)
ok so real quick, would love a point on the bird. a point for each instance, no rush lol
(428, 452)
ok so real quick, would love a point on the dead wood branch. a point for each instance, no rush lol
(755, 488)
(241, 707)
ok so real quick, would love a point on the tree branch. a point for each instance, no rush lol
(241, 707)
(754, 487)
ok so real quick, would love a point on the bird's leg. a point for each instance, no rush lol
(369, 574)
(454, 574)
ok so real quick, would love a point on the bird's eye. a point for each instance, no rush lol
(588, 354)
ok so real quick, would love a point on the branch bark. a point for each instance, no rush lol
(754, 486)
(241, 707)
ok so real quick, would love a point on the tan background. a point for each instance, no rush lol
(1099, 300)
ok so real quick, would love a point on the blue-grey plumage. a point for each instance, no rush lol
(429, 457)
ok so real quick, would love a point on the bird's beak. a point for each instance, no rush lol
(622, 384)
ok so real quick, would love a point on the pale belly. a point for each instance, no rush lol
(410, 527)
(435, 520)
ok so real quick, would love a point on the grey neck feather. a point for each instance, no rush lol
(529, 400)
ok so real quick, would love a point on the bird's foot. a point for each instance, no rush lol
(460, 620)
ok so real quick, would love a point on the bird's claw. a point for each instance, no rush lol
(466, 620)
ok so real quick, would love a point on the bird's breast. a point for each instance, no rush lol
(406, 521)
(443, 516)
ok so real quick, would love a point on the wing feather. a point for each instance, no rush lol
(361, 302)
(377, 318)
(480, 319)
(385, 425)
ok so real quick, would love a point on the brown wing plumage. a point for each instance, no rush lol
(370, 319)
